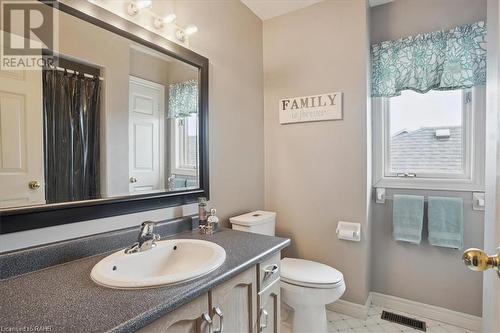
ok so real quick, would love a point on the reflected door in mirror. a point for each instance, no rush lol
(21, 131)
(146, 135)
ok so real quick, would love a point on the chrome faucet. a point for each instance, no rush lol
(146, 240)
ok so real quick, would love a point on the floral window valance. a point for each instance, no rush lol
(442, 60)
(183, 99)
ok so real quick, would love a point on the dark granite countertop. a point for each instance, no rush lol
(63, 298)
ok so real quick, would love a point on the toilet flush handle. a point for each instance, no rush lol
(270, 270)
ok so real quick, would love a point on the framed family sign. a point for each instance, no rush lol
(311, 108)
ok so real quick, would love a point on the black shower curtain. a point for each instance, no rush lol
(72, 136)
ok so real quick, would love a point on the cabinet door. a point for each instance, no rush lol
(269, 309)
(234, 304)
(187, 319)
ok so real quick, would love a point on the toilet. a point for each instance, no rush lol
(306, 286)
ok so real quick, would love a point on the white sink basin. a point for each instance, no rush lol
(170, 261)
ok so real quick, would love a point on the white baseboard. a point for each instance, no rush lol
(351, 309)
(437, 313)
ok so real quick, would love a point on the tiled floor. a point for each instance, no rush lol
(373, 324)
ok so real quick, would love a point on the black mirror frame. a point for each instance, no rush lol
(34, 217)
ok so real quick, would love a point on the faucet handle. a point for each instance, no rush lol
(147, 227)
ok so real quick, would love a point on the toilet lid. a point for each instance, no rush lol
(309, 273)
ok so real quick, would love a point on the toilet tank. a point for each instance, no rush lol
(260, 222)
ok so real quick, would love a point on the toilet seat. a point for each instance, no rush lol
(312, 285)
(310, 274)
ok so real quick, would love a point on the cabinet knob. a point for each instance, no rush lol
(133, 180)
(266, 315)
(206, 318)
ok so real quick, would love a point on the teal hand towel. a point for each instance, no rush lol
(446, 222)
(407, 218)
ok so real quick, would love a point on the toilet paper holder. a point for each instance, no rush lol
(349, 231)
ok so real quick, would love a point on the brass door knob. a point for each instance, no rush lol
(34, 184)
(133, 180)
(478, 260)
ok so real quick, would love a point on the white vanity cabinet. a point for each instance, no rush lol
(248, 302)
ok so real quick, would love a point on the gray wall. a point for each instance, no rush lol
(150, 67)
(437, 275)
(316, 173)
(426, 273)
(230, 36)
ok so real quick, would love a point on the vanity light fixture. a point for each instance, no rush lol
(159, 22)
(135, 7)
(180, 35)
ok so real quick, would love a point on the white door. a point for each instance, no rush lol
(21, 138)
(146, 126)
(491, 281)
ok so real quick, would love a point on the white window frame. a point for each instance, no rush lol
(472, 179)
(178, 151)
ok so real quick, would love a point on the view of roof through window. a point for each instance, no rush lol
(426, 132)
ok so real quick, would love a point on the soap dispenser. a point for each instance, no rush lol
(212, 221)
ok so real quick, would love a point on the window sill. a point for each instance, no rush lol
(185, 172)
(443, 184)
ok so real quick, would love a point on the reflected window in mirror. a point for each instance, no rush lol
(184, 151)
(184, 173)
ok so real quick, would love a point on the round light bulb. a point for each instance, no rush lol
(170, 18)
(190, 29)
(144, 4)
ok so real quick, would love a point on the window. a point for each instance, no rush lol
(432, 140)
(186, 145)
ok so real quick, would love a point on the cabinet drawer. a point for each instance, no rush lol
(269, 271)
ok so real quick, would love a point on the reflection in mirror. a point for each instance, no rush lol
(111, 118)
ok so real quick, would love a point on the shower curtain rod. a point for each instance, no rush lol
(76, 72)
(73, 65)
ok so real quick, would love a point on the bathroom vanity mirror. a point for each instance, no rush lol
(113, 124)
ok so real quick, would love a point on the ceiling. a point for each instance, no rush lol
(266, 9)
